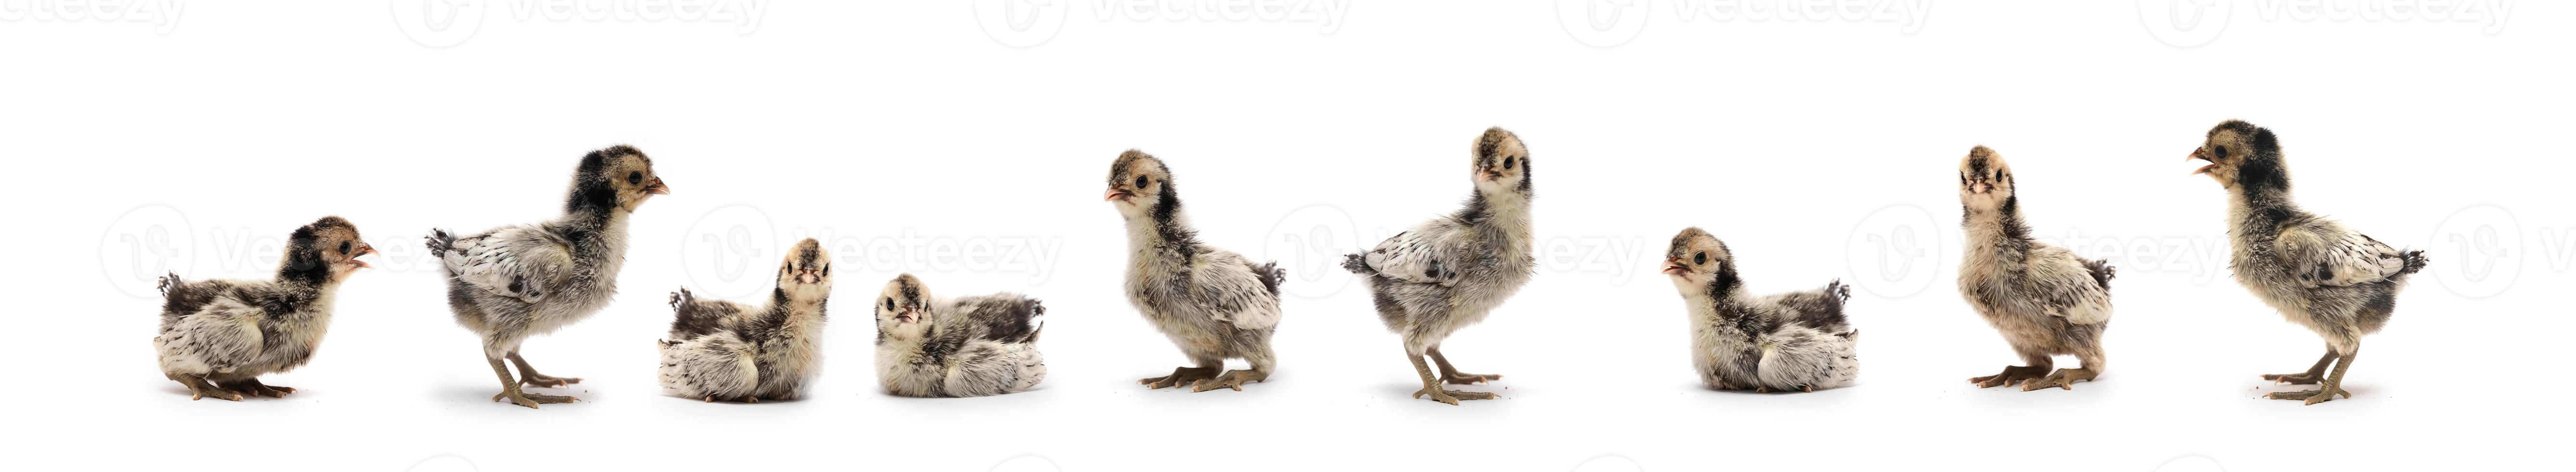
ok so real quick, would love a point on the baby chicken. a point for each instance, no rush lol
(1451, 271)
(1213, 304)
(720, 350)
(2316, 272)
(520, 280)
(2045, 300)
(1790, 341)
(218, 336)
(956, 347)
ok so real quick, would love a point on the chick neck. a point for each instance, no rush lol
(1997, 230)
(1161, 232)
(1501, 215)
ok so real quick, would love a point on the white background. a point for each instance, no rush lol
(889, 122)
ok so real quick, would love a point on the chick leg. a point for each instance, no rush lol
(510, 389)
(1234, 379)
(197, 388)
(2066, 378)
(1451, 374)
(2314, 374)
(1431, 385)
(2332, 387)
(1207, 369)
(528, 374)
(251, 386)
(2039, 365)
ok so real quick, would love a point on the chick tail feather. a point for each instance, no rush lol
(1357, 263)
(2102, 272)
(689, 322)
(439, 241)
(2415, 261)
(1271, 276)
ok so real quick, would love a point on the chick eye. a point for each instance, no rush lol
(635, 177)
(889, 303)
(1702, 258)
(1141, 181)
(1507, 163)
(344, 247)
(2220, 151)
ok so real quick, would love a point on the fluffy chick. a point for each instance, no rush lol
(1213, 304)
(218, 336)
(721, 350)
(956, 347)
(1451, 271)
(521, 280)
(2316, 272)
(1790, 341)
(2044, 299)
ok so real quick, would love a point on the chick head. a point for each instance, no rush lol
(903, 309)
(1985, 181)
(1139, 185)
(1502, 165)
(619, 175)
(806, 275)
(1699, 264)
(2241, 154)
(327, 249)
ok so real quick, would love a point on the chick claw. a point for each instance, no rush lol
(531, 400)
(1471, 379)
(1232, 379)
(2311, 396)
(1452, 396)
(195, 394)
(2302, 378)
(1180, 376)
(543, 380)
(2010, 375)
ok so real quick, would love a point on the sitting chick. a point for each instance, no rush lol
(956, 347)
(722, 350)
(1790, 341)
(218, 336)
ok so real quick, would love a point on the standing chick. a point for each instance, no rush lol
(2316, 272)
(956, 347)
(2043, 299)
(521, 280)
(1790, 341)
(229, 332)
(720, 350)
(1452, 271)
(1213, 304)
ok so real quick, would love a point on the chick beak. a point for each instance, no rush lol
(908, 315)
(362, 250)
(658, 188)
(1492, 175)
(1117, 193)
(1674, 267)
(2201, 154)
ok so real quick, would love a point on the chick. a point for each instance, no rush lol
(720, 350)
(2316, 272)
(956, 347)
(1213, 304)
(520, 280)
(2044, 300)
(1790, 341)
(1451, 271)
(218, 336)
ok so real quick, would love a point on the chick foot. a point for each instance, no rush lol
(252, 387)
(1232, 379)
(1180, 376)
(1470, 379)
(2311, 396)
(543, 380)
(1453, 396)
(2010, 375)
(2062, 378)
(531, 400)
